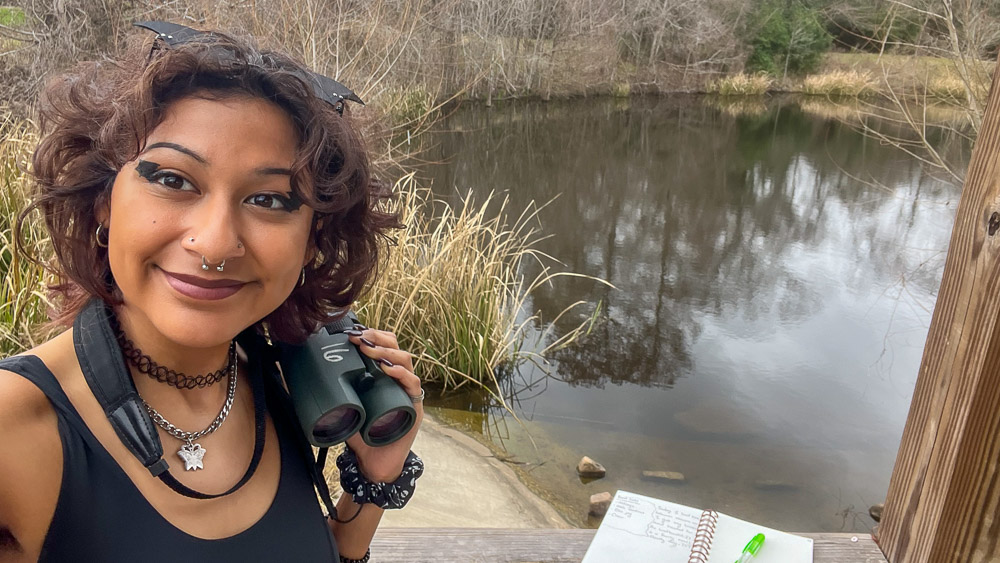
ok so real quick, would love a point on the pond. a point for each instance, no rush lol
(774, 274)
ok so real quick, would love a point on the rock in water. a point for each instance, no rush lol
(775, 485)
(599, 503)
(663, 476)
(590, 468)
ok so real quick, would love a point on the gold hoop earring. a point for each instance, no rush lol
(302, 278)
(97, 237)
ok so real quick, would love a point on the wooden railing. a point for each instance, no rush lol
(943, 503)
(484, 545)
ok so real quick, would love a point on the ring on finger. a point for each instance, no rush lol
(418, 398)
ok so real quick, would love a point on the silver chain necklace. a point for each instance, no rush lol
(192, 453)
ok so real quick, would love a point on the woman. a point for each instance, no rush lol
(200, 189)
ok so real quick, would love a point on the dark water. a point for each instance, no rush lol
(774, 275)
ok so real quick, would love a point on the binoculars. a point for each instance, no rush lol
(337, 390)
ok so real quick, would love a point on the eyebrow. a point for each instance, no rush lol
(178, 148)
(269, 170)
(264, 171)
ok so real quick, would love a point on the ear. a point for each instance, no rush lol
(310, 256)
(312, 250)
(102, 204)
(102, 212)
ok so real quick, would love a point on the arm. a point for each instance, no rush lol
(354, 538)
(382, 464)
(30, 468)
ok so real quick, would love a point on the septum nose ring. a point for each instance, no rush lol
(204, 264)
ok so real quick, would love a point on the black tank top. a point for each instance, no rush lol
(101, 516)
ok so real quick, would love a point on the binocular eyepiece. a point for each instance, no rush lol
(338, 391)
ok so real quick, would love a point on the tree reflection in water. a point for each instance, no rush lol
(774, 272)
(693, 213)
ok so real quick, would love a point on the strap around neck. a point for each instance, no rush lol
(104, 369)
(109, 379)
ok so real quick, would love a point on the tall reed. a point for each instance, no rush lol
(22, 283)
(454, 289)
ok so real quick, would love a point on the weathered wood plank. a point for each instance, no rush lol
(484, 545)
(945, 488)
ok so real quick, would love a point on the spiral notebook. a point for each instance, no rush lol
(643, 529)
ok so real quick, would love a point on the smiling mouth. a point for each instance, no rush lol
(206, 289)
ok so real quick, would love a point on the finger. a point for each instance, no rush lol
(374, 350)
(406, 378)
(382, 338)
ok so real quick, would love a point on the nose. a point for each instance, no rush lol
(214, 232)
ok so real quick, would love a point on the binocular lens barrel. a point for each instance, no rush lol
(389, 409)
(336, 425)
(337, 390)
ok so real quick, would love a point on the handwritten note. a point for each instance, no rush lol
(636, 529)
(640, 529)
(673, 526)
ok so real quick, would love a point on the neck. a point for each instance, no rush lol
(183, 359)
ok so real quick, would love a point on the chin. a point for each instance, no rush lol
(193, 328)
(200, 330)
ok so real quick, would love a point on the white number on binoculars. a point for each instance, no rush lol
(333, 355)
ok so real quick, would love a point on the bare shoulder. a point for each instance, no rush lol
(22, 403)
(30, 460)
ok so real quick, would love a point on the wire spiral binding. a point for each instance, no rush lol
(703, 536)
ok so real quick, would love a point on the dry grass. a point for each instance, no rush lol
(915, 76)
(953, 89)
(22, 283)
(742, 85)
(453, 290)
(840, 83)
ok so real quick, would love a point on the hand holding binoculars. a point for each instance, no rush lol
(338, 391)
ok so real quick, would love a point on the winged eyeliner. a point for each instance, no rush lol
(148, 169)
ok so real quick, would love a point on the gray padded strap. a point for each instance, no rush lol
(103, 367)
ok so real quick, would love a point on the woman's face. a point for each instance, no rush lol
(213, 182)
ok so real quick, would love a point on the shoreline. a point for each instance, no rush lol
(841, 76)
(466, 486)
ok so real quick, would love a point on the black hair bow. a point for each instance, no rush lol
(325, 88)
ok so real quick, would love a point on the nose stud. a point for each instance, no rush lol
(204, 264)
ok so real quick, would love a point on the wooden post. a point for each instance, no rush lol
(944, 497)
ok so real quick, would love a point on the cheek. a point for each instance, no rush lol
(136, 230)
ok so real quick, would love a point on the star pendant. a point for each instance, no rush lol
(192, 454)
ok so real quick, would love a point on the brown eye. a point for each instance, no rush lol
(263, 200)
(271, 201)
(172, 181)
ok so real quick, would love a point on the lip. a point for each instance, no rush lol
(202, 288)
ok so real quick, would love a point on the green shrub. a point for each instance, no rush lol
(11, 16)
(786, 38)
(867, 26)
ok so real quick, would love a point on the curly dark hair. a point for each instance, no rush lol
(96, 117)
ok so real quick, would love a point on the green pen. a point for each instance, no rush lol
(750, 551)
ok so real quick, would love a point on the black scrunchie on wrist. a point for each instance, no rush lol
(383, 495)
